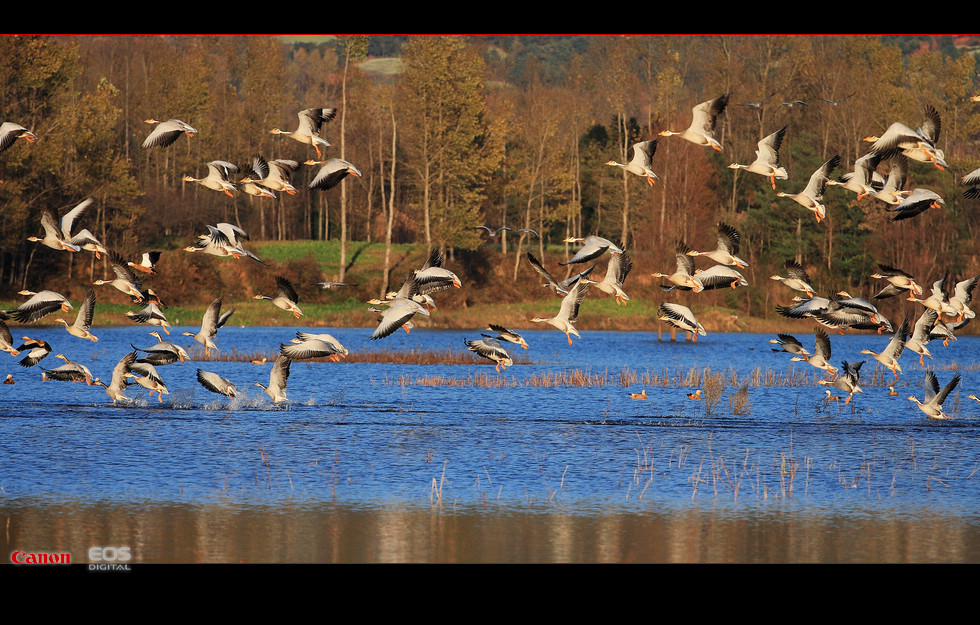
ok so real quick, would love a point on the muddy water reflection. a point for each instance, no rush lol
(404, 533)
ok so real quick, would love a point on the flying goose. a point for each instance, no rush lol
(167, 132)
(117, 384)
(934, 398)
(146, 376)
(492, 350)
(861, 179)
(125, 280)
(847, 382)
(307, 345)
(898, 281)
(147, 263)
(640, 163)
(727, 248)
(217, 178)
(766, 161)
(568, 312)
(616, 272)
(212, 320)
(331, 172)
(797, 279)
(151, 315)
(71, 371)
(7, 340)
(810, 197)
(684, 278)
(889, 356)
(83, 320)
(216, 384)
(918, 144)
(702, 128)
(277, 380)
(559, 288)
(308, 132)
(503, 334)
(285, 298)
(163, 353)
(58, 236)
(40, 304)
(681, 317)
(821, 353)
(400, 311)
(11, 131)
(918, 201)
(790, 344)
(593, 247)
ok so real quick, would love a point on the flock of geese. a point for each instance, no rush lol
(890, 152)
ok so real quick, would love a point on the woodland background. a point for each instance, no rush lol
(455, 132)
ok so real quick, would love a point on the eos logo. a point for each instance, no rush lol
(109, 554)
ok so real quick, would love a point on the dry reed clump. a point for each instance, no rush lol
(713, 387)
(738, 402)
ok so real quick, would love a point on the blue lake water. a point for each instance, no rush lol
(354, 436)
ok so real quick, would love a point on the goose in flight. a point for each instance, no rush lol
(11, 131)
(837, 102)
(125, 280)
(593, 247)
(71, 371)
(719, 277)
(934, 398)
(616, 272)
(766, 161)
(332, 171)
(117, 384)
(58, 236)
(889, 356)
(490, 232)
(163, 352)
(151, 315)
(810, 198)
(7, 340)
(38, 351)
(167, 132)
(918, 144)
(277, 174)
(790, 344)
(216, 384)
(310, 123)
(568, 312)
(217, 178)
(702, 128)
(898, 281)
(83, 320)
(492, 350)
(40, 304)
(503, 334)
(212, 320)
(307, 345)
(820, 358)
(146, 375)
(400, 311)
(285, 298)
(727, 248)
(681, 317)
(847, 382)
(959, 302)
(641, 161)
(684, 278)
(277, 380)
(559, 288)
(893, 191)
(918, 201)
(922, 335)
(861, 179)
(797, 279)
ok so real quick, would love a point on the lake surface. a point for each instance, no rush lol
(378, 462)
